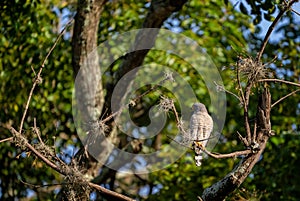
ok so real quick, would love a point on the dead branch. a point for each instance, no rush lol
(239, 82)
(133, 101)
(38, 75)
(222, 88)
(235, 178)
(66, 171)
(6, 139)
(22, 142)
(286, 7)
(286, 96)
(295, 12)
(37, 131)
(244, 96)
(229, 155)
(279, 80)
(244, 140)
(109, 192)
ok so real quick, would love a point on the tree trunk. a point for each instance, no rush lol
(236, 177)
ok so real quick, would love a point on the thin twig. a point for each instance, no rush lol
(279, 80)
(36, 130)
(109, 192)
(40, 186)
(153, 88)
(6, 139)
(133, 101)
(254, 131)
(286, 96)
(245, 99)
(229, 155)
(239, 83)
(246, 114)
(176, 114)
(272, 26)
(295, 12)
(178, 121)
(33, 71)
(39, 74)
(222, 88)
(245, 142)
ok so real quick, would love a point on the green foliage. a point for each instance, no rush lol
(275, 176)
(28, 30)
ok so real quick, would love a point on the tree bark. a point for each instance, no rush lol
(236, 177)
(84, 42)
(87, 73)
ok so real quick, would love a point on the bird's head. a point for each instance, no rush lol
(199, 107)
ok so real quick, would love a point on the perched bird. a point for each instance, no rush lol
(201, 126)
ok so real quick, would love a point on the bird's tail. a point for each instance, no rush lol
(198, 153)
(198, 159)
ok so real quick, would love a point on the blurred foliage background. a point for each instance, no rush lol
(224, 29)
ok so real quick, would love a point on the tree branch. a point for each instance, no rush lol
(286, 96)
(245, 142)
(38, 78)
(222, 88)
(22, 142)
(116, 196)
(66, 171)
(231, 181)
(286, 7)
(6, 139)
(279, 80)
(229, 155)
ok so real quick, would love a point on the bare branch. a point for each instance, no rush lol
(133, 101)
(254, 131)
(279, 80)
(285, 8)
(229, 155)
(38, 76)
(36, 131)
(295, 12)
(19, 138)
(245, 142)
(246, 115)
(236, 177)
(64, 171)
(239, 82)
(38, 186)
(109, 192)
(6, 139)
(286, 96)
(245, 98)
(222, 88)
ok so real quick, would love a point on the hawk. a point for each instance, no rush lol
(201, 126)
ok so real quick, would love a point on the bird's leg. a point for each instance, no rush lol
(198, 144)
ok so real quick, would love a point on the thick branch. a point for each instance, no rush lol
(230, 182)
(24, 143)
(159, 11)
(64, 171)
